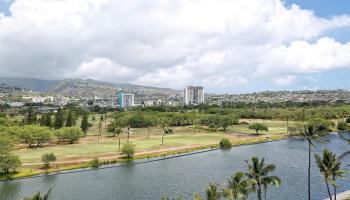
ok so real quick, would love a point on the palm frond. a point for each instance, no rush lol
(344, 155)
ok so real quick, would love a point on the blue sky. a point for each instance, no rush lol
(210, 43)
(334, 79)
(4, 6)
(324, 8)
(327, 8)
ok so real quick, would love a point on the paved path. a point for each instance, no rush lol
(342, 195)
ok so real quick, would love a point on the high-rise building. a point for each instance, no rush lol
(126, 100)
(193, 95)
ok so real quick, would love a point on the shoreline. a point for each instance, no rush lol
(341, 196)
(119, 162)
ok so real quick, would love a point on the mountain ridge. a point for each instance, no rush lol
(84, 87)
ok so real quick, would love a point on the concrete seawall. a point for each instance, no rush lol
(342, 196)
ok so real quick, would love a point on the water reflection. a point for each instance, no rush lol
(10, 190)
(183, 176)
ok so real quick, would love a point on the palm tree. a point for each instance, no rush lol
(258, 176)
(212, 192)
(37, 196)
(129, 131)
(166, 131)
(93, 122)
(345, 135)
(99, 130)
(311, 134)
(238, 188)
(118, 132)
(330, 167)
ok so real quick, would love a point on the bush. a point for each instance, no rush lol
(9, 163)
(348, 120)
(95, 163)
(342, 126)
(225, 143)
(322, 124)
(258, 127)
(47, 158)
(128, 151)
(70, 134)
(244, 123)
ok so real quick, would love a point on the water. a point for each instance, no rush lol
(185, 175)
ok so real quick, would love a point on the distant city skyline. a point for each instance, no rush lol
(226, 46)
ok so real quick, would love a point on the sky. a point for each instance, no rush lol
(228, 46)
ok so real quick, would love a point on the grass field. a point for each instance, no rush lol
(183, 137)
(274, 126)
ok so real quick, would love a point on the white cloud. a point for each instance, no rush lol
(217, 43)
(104, 68)
(303, 57)
(284, 80)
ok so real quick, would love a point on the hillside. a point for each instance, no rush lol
(34, 84)
(88, 87)
(91, 88)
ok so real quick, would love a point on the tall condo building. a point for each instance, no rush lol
(193, 95)
(126, 100)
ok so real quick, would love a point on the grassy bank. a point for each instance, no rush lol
(190, 143)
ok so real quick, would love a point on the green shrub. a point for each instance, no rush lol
(95, 163)
(69, 134)
(342, 126)
(9, 163)
(128, 151)
(47, 158)
(258, 127)
(225, 143)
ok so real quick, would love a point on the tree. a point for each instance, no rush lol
(214, 122)
(311, 134)
(342, 126)
(258, 176)
(70, 119)
(93, 122)
(166, 131)
(59, 121)
(347, 120)
(226, 121)
(118, 131)
(6, 144)
(330, 167)
(47, 158)
(70, 134)
(238, 187)
(32, 134)
(99, 130)
(8, 162)
(30, 117)
(37, 196)
(212, 192)
(46, 120)
(85, 123)
(258, 127)
(128, 151)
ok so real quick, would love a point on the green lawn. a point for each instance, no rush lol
(184, 137)
(275, 127)
(110, 146)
